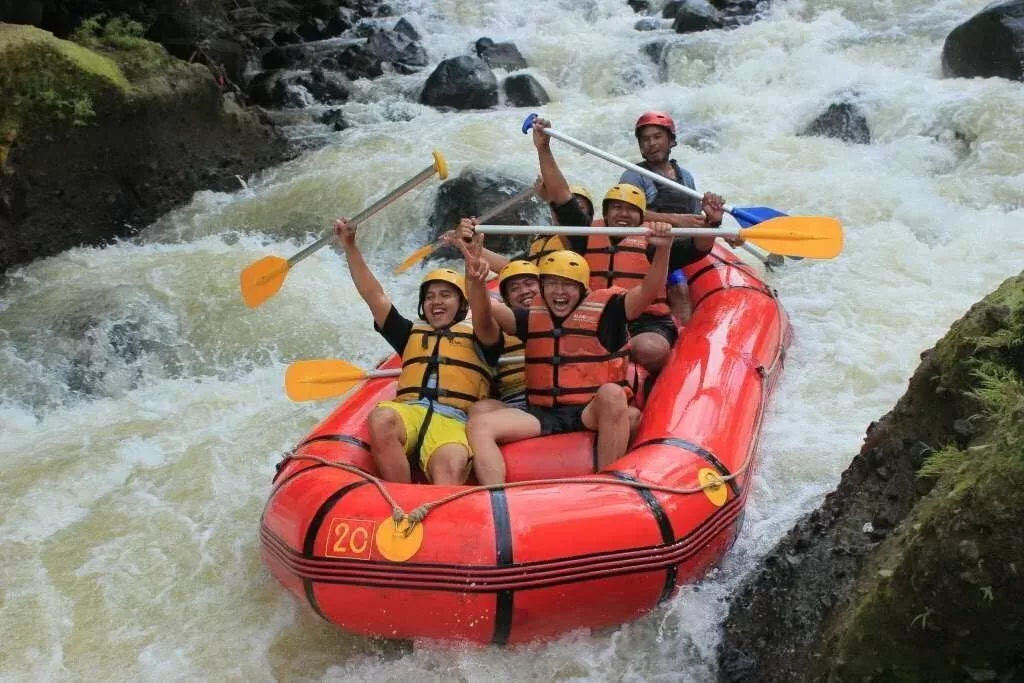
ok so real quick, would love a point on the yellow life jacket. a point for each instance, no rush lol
(511, 379)
(463, 376)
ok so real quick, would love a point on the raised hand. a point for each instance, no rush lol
(346, 233)
(713, 207)
(541, 140)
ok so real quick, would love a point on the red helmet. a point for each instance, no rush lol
(656, 118)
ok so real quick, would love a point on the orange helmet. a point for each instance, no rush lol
(656, 118)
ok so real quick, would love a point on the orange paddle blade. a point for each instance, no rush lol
(414, 258)
(311, 380)
(262, 279)
(806, 236)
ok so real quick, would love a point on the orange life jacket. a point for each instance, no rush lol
(623, 264)
(566, 365)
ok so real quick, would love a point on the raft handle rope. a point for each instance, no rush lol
(418, 514)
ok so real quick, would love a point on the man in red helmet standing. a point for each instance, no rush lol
(656, 135)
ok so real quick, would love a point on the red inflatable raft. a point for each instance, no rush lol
(567, 549)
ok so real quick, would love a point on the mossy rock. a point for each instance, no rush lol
(45, 80)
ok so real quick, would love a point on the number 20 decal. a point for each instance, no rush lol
(349, 538)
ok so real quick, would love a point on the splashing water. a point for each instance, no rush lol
(142, 406)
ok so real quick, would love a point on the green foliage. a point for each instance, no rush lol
(944, 461)
(1000, 392)
(49, 80)
(121, 39)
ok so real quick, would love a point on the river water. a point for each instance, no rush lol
(142, 406)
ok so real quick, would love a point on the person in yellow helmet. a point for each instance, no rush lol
(445, 369)
(541, 246)
(621, 261)
(519, 285)
(576, 353)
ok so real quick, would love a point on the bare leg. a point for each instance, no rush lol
(487, 405)
(608, 415)
(679, 302)
(486, 431)
(447, 464)
(387, 445)
(650, 350)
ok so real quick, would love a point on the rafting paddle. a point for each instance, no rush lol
(819, 237)
(746, 216)
(312, 380)
(262, 279)
(425, 251)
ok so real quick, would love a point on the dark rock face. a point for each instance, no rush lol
(502, 56)
(895, 576)
(843, 121)
(670, 9)
(461, 83)
(523, 90)
(990, 44)
(396, 47)
(89, 184)
(473, 193)
(692, 16)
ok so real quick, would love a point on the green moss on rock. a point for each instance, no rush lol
(46, 80)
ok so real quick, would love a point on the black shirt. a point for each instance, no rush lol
(396, 331)
(683, 251)
(611, 328)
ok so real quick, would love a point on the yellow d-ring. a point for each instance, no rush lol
(714, 487)
(440, 165)
(398, 542)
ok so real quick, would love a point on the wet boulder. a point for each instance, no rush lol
(697, 15)
(312, 29)
(334, 119)
(842, 121)
(407, 29)
(476, 191)
(461, 83)
(501, 55)
(523, 90)
(640, 6)
(282, 57)
(326, 87)
(287, 36)
(357, 63)
(397, 48)
(341, 20)
(647, 24)
(989, 44)
(670, 9)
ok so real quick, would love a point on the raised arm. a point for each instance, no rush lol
(641, 296)
(464, 231)
(366, 284)
(555, 184)
(489, 318)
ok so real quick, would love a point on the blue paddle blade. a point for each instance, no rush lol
(528, 123)
(752, 215)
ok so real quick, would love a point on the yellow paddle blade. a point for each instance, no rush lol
(414, 258)
(262, 279)
(806, 236)
(311, 380)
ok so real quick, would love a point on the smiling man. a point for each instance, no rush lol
(445, 369)
(623, 262)
(576, 354)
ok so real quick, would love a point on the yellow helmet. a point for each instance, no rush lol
(582, 191)
(545, 245)
(624, 192)
(567, 264)
(515, 269)
(454, 279)
(445, 275)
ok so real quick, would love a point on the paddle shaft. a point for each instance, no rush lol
(507, 204)
(611, 232)
(656, 177)
(381, 203)
(395, 372)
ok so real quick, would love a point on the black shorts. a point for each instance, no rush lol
(663, 325)
(558, 420)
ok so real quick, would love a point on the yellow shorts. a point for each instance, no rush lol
(441, 431)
